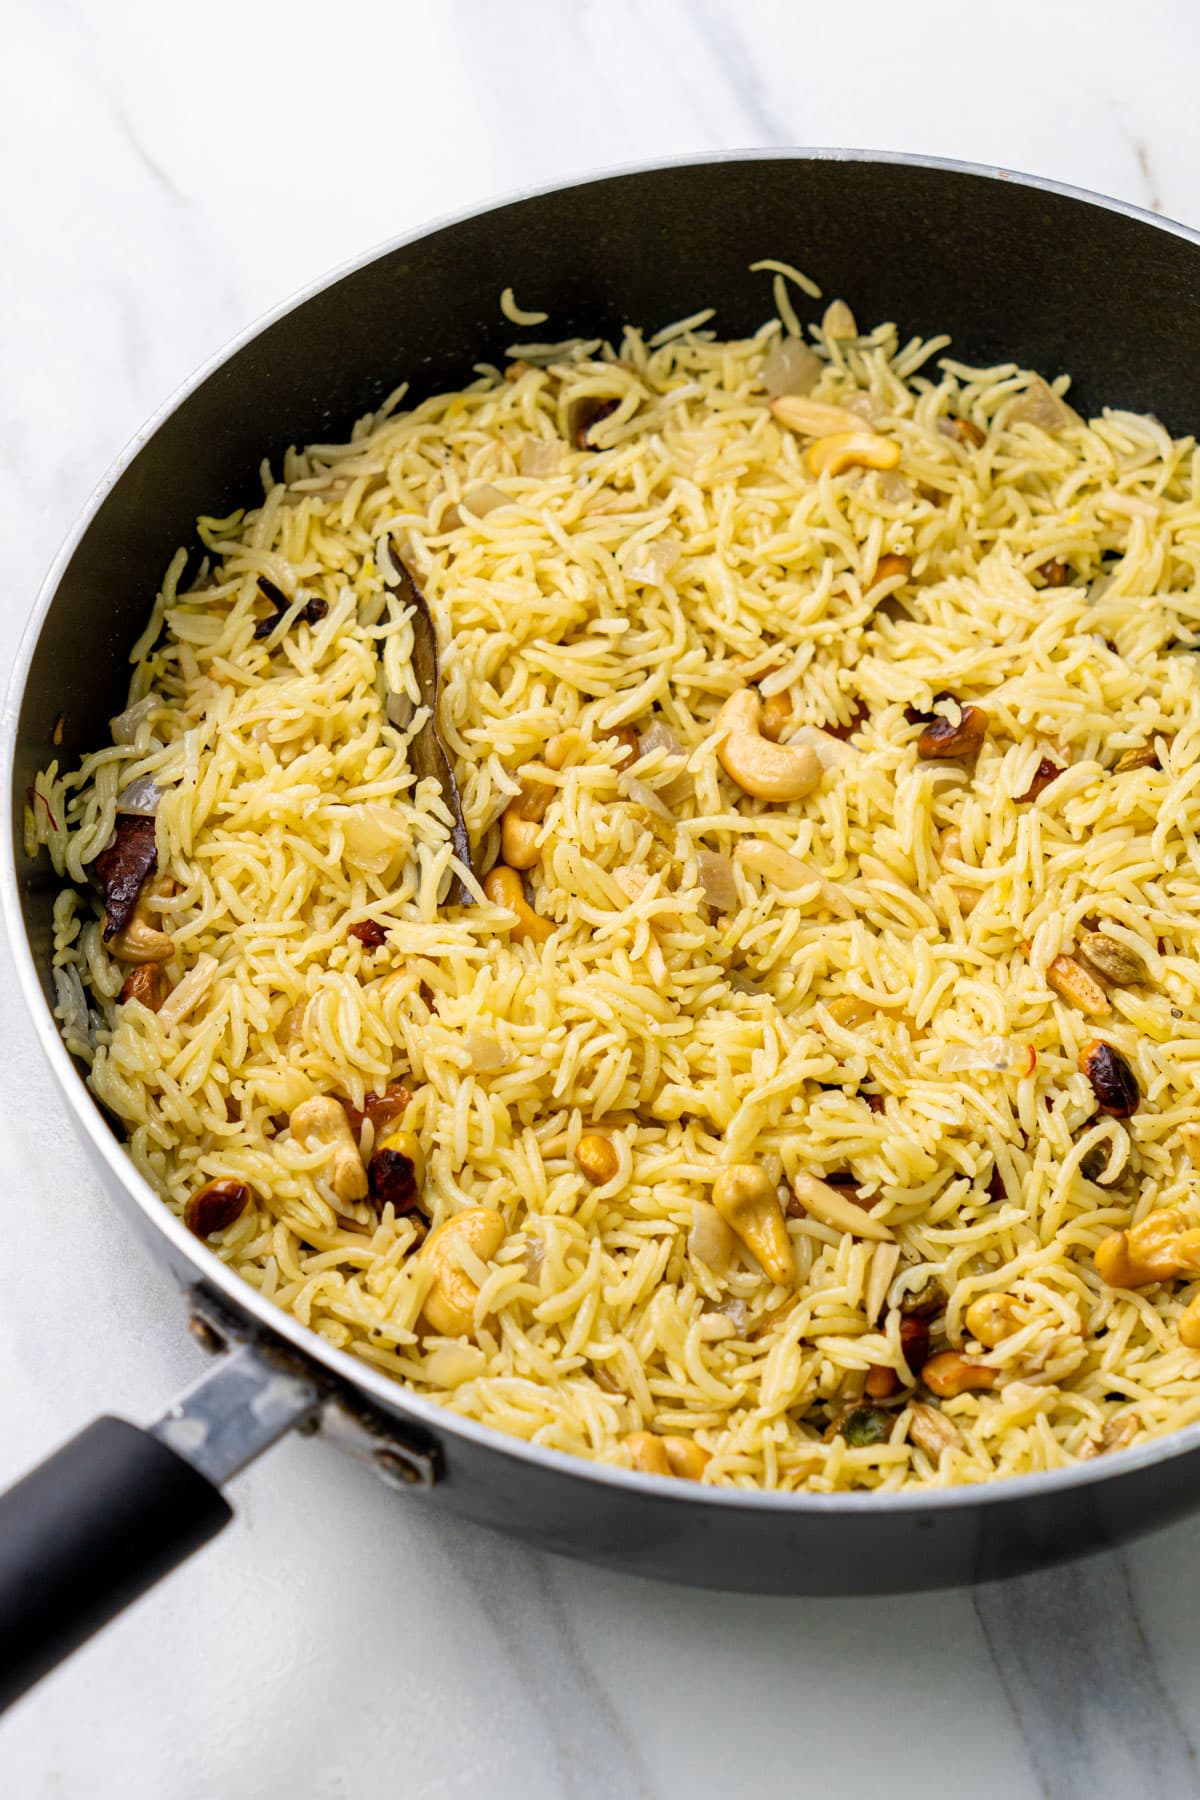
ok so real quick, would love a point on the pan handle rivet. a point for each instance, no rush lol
(399, 1470)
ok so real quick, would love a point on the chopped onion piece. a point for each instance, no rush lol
(71, 1009)
(680, 787)
(660, 737)
(449, 1365)
(1040, 406)
(651, 563)
(124, 727)
(485, 1052)
(142, 797)
(375, 835)
(890, 485)
(998, 1054)
(641, 795)
(790, 367)
(483, 499)
(716, 878)
(831, 752)
(540, 457)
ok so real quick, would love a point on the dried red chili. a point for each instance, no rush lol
(123, 869)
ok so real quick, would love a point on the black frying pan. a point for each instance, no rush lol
(1014, 269)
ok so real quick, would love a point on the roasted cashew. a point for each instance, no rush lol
(768, 771)
(321, 1121)
(748, 1201)
(450, 1303)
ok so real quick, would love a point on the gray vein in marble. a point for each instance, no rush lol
(732, 56)
(595, 1756)
(1141, 151)
(1072, 1656)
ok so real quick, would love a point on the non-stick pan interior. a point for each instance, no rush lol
(1013, 271)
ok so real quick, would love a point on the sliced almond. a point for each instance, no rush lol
(813, 418)
(832, 1208)
(783, 870)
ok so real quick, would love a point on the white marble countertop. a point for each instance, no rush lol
(168, 175)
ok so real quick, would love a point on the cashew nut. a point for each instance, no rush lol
(503, 888)
(449, 1307)
(768, 771)
(518, 838)
(321, 1122)
(950, 1374)
(141, 941)
(776, 717)
(748, 1201)
(654, 1455)
(851, 450)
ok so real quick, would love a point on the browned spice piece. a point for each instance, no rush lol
(1054, 573)
(215, 1206)
(147, 983)
(427, 753)
(963, 431)
(381, 1109)
(888, 567)
(584, 414)
(1043, 775)
(369, 933)
(858, 717)
(56, 736)
(123, 868)
(876, 1102)
(1113, 1081)
(628, 740)
(914, 1340)
(881, 1382)
(313, 613)
(942, 739)
(1141, 756)
(949, 1374)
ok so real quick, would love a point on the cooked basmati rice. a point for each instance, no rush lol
(685, 553)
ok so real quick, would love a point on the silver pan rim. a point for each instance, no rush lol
(387, 1394)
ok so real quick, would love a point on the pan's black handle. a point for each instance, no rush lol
(86, 1533)
(118, 1508)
